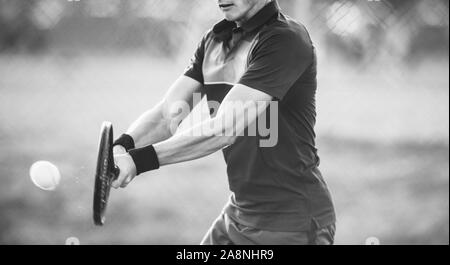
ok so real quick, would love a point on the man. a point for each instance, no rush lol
(255, 55)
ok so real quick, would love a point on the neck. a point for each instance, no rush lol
(255, 9)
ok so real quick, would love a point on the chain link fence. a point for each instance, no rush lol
(357, 30)
(65, 66)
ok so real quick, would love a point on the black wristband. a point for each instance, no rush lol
(126, 141)
(145, 159)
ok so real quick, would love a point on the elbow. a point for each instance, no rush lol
(171, 117)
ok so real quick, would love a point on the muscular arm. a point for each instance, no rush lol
(158, 123)
(215, 133)
(240, 108)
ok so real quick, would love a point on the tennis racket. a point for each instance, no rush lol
(105, 174)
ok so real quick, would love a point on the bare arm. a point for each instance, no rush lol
(158, 123)
(215, 133)
(204, 138)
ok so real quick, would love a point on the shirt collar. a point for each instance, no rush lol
(225, 27)
(261, 17)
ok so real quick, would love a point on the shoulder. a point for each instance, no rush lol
(287, 32)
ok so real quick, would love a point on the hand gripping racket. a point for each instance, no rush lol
(105, 174)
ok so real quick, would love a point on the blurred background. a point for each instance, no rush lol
(66, 66)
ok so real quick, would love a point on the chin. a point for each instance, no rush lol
(231, 17)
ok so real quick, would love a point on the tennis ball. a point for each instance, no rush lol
(45, 175)
(372, 241)
(72, 241)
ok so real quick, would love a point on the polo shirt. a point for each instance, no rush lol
(278, 188)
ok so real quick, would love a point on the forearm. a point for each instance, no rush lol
(239, 109)
(188, 145)
(161, 122)
(151, 127)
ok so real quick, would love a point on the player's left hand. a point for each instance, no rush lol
(127, 170)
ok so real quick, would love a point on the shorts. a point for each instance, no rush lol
(226, 231)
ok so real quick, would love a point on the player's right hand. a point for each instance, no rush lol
(127, 170)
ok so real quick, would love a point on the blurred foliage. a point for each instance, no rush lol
(357, 30)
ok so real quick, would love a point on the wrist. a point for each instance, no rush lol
(145, 159)
(126, 141)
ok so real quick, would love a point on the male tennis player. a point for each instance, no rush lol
(256, 54)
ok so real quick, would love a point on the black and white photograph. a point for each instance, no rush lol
(224, 122)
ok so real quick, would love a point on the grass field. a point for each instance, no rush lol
(382, 138)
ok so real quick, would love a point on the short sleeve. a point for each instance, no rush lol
(277, 62)
(194, 70)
